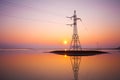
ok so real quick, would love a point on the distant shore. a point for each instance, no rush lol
(118, 48)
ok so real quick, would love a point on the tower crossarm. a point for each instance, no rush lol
(79, 19)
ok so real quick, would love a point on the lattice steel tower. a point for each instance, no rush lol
(75, 43)
(75, 46)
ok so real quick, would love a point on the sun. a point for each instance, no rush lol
(65, 42)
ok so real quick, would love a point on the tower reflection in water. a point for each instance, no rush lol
(75, 62)
(76, 58)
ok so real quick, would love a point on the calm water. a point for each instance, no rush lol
(24, 64)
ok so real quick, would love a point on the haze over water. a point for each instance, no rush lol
(38, 65)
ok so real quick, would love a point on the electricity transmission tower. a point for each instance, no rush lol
(75, 46)
(75, 43)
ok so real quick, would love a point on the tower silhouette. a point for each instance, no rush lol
(75, 46)
(75, 43)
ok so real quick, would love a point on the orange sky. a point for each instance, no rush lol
(42, 23)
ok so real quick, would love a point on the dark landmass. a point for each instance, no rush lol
(118, 48)
(78, 53)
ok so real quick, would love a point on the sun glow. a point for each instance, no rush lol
(65, 42)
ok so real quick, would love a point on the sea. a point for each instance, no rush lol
(39, 64)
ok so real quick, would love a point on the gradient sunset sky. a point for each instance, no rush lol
(42, 23)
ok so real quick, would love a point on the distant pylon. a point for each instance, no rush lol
(75, 43)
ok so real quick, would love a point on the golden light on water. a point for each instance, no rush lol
(65, 56)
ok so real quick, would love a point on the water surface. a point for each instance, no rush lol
(35, 64)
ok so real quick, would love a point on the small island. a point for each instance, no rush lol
(78, 53)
